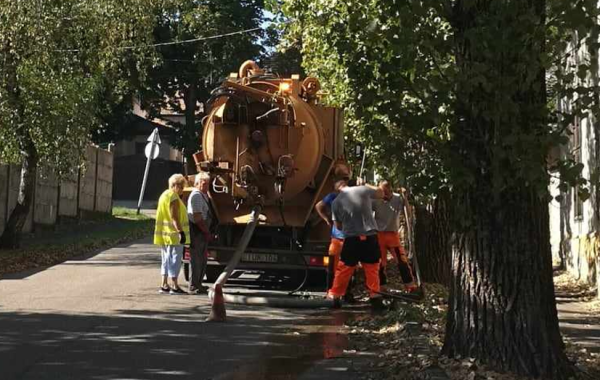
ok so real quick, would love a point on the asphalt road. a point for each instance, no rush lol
(101, 317)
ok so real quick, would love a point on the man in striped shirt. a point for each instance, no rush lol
(200, 217)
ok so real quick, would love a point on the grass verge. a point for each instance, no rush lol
(70, 239)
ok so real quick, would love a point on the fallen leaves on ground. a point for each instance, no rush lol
(406, 341)
(100, 235)
(565, 283)
(586, 296)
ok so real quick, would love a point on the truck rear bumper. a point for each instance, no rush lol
(271, 259)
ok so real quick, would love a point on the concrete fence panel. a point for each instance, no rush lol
(104, 181)
(89, 190)
(87, 187)
(45, 208)
(69, 191)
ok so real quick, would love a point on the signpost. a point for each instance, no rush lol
(151, 151)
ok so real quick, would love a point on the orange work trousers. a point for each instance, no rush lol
(335, 250)
(390, 241)
(357, 249)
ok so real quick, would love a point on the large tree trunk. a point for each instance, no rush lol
(10, 238)
(502, 309)
(432, 241)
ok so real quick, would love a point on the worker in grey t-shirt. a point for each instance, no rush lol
(352, 214)
(387, 213)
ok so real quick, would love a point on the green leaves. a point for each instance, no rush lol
(186, 74)
(56, 59)
(399, 68)
(388, 64)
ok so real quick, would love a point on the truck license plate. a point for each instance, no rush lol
(259, 257)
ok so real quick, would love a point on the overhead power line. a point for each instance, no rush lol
(170, 43)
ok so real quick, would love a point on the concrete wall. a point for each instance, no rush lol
(69, 191)
(45, 210)
(104, 180)
(89, 190)
(128, 148)
(87, 181)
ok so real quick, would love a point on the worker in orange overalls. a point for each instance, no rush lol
(323, 208)
(352, 214)
(387, 213)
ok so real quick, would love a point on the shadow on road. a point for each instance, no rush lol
(578, 324)
(144, 344)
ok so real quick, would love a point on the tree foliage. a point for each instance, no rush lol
(60, 61)
(392, 65)
(56, 59)
(187, 73)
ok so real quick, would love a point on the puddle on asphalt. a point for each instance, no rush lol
(287, 358)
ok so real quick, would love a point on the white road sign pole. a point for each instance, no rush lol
(151, 153)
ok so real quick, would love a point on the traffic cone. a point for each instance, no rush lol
(217, 312)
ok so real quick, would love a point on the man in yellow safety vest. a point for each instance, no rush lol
(170, 232)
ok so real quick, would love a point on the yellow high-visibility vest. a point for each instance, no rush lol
(164, 230)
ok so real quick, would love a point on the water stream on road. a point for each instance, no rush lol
(316, 338)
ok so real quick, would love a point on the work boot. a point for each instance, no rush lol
(411, 288)
(337, 303)
(377, 303)
(349, 298)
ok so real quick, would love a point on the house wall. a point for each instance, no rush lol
(576, 239)
(128, 148)
(88, 190)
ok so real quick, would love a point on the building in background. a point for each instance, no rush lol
(130, 159)
(575, 222)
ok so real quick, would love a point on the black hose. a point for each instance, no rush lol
(306, 267)
(305, 277)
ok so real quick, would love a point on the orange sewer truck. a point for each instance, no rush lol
(268, 140)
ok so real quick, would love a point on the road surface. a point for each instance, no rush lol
(101, 317)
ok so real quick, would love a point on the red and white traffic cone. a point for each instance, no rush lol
(217, 312)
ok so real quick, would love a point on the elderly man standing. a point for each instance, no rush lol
(200, 218)
(171, 232)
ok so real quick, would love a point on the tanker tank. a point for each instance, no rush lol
(268, 139)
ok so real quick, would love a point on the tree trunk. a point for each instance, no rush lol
(10, 238)
(432, 241)
(502, 308)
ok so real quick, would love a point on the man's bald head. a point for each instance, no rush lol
(387, 189)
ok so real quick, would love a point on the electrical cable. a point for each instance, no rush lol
(171, 43)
